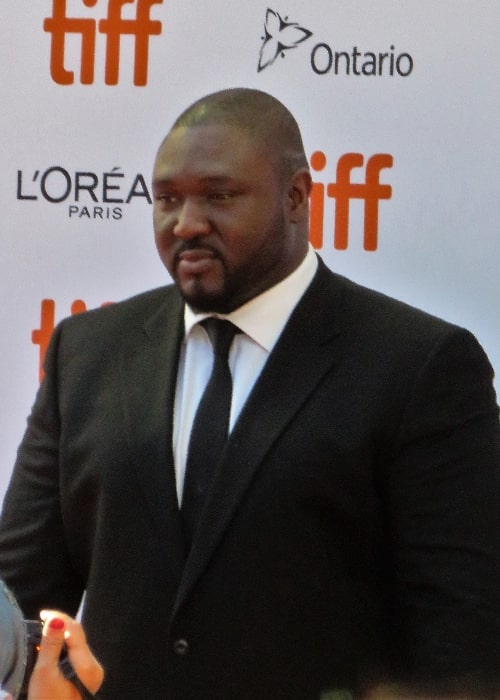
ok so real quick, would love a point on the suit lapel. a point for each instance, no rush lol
(305, 352)
(148, 377)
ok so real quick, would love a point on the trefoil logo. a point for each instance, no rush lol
(113, 27)
(280, 35)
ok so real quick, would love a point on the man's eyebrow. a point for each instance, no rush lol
(207, 180)
(161, 181)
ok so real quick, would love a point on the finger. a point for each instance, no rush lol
(52, 639)
(86, 666)
(46, 678)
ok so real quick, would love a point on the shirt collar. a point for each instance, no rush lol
(264, 317)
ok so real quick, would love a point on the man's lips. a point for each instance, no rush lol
(194, 254)
(195, 261)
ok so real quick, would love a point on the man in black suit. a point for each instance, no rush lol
(346, 542)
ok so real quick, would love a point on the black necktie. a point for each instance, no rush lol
(210, 427)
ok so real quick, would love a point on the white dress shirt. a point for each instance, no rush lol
(261, 321)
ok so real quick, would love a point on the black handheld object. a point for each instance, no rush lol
(33, 639)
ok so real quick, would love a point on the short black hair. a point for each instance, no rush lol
(263, 116)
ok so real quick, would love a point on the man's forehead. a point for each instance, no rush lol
(208, 143)
(210, 133)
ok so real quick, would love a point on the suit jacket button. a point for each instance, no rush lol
(181, 647)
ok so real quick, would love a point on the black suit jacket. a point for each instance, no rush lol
(351, 533)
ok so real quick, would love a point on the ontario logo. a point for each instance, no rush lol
(326, 58)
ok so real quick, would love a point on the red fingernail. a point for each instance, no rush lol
(56, 623)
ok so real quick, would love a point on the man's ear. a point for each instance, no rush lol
(298, 195)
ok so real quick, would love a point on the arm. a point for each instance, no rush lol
(442, 495)
(34, 559)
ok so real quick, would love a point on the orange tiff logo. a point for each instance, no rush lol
(343, 190)
(113, 26)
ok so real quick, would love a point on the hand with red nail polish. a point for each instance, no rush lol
(56, 623)
(47, 680)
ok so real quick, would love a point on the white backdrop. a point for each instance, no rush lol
(430, 106)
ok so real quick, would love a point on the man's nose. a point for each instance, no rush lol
(191, 220)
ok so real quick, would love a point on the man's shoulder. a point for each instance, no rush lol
(135, 308)
(150, 299)
(378, 322)
(114, 324)
(371, 307)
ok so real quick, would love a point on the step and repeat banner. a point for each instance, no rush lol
(399, 105)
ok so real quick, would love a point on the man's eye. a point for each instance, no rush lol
(166, 198)
(220, 196)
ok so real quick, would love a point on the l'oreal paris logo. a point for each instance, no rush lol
(87, 194)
